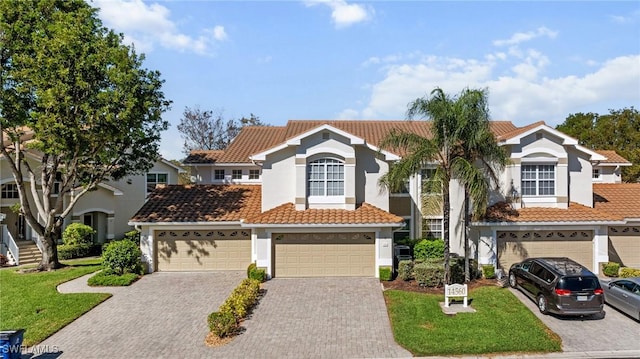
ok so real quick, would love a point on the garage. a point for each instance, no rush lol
(514, 246)
(624, 246)
(203, 250)
(324, 255)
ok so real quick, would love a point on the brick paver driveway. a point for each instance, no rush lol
(164, 315)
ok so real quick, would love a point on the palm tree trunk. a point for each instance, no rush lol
(467, 274)
(446, 208)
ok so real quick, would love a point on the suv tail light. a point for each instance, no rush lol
(563, 291)
(598, 291)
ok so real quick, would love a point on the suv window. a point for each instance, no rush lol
(536, 269)
(578, 283)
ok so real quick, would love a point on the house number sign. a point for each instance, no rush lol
(455, 290)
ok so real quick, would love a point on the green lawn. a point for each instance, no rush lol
(31, 301)
(501, 324)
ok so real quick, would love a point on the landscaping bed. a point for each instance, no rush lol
(413, 286)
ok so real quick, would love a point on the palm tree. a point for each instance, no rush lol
(461, 144)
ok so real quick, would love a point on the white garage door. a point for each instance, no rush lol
(518, 245)
(324, 255)
(624, 246)
(203, 250)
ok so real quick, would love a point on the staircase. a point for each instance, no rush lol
(29, 252)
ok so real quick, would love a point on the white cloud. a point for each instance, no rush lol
(344, 14)
(626, 19)
(149, 25)
(520, 37)
(520, 94)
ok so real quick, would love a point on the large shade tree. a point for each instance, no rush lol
(461, 146)
(76, 107)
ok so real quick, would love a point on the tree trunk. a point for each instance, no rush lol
(467, 273)
(50, 251)
(446, 207)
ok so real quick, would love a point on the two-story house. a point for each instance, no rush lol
(107, 209)
(305, 200)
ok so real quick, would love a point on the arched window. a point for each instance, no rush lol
(325, 177)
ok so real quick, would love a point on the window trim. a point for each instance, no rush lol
(234, 172)
(215, 177)
(146, 180)
(423, 231)
(595, 171)
(14, 192)
(257, 176)
(325, 197)
(537, 178)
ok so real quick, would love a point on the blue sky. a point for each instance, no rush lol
(337, 59)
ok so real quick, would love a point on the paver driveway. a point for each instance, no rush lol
(613, 332)
(164, 315)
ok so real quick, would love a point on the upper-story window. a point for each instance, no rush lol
(218, 174)
(538, 180)
(254, 174)
(236, 174)
(326, 177)
(595, 174)
(154, 179)
(432, 228)
(429, 186)
(10, 190)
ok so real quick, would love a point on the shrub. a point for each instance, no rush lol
(222, 324)
(3, 259)
(242, 299)
(259, 274)
(122, 257)
(385, 273)
(429, 248)
(610, 269)
(108, 279)
(405, 270)
(250, 269)
(629, 272)
(77, 234)
(457, 269)
(70, 251)
(429, 274)
(489, 271)
(411, 242)
(133, 236)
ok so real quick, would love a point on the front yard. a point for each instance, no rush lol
(501, 324)
(32, 302)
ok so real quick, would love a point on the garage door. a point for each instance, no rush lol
(325, 255)
(624, 246)
(515, 246)
(203, 250)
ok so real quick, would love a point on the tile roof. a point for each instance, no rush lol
(203, 156)
(255, 139)
(504, 212)
(622, 199)
(518, 131)
(287, 214)
(200, 203)
(612, 157)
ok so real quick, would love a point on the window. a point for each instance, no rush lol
(236, 174)
(432, 228)
(404, 232)
(254, 174)
(154, 179)
(10, 190)
(428, 186)
(595, 173)
(218, 174)
(538, 180)
(326, 177)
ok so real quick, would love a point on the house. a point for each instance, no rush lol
(107, 209)
(304, 199)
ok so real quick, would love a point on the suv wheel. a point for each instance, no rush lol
(512, 280)
(542, 304)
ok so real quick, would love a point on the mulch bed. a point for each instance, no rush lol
(413, 286)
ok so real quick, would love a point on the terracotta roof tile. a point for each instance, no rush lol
(203, 156)
(255, 139)
(622, 199)
(504, 212)
(287, 214)
(518, 131)
(612, 157)
(200, 203)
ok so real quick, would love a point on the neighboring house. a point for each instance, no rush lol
(107, 209)
(305, 200)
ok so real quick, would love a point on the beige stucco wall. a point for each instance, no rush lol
(279, 179)
(580, 178)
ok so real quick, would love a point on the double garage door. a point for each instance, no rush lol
(514, 246)
(203, 250)
(324, 255)
(624, 246)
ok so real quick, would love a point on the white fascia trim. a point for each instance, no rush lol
(613, 164)
(311, 226)
(168, 163)
(163, 224)
(527, 224)
(94, 209)
(234, 164)
(566, 139)
(116, 192)
(595, 156)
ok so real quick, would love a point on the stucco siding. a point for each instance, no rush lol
(369, 170)
(279, 179)
(580, 170)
